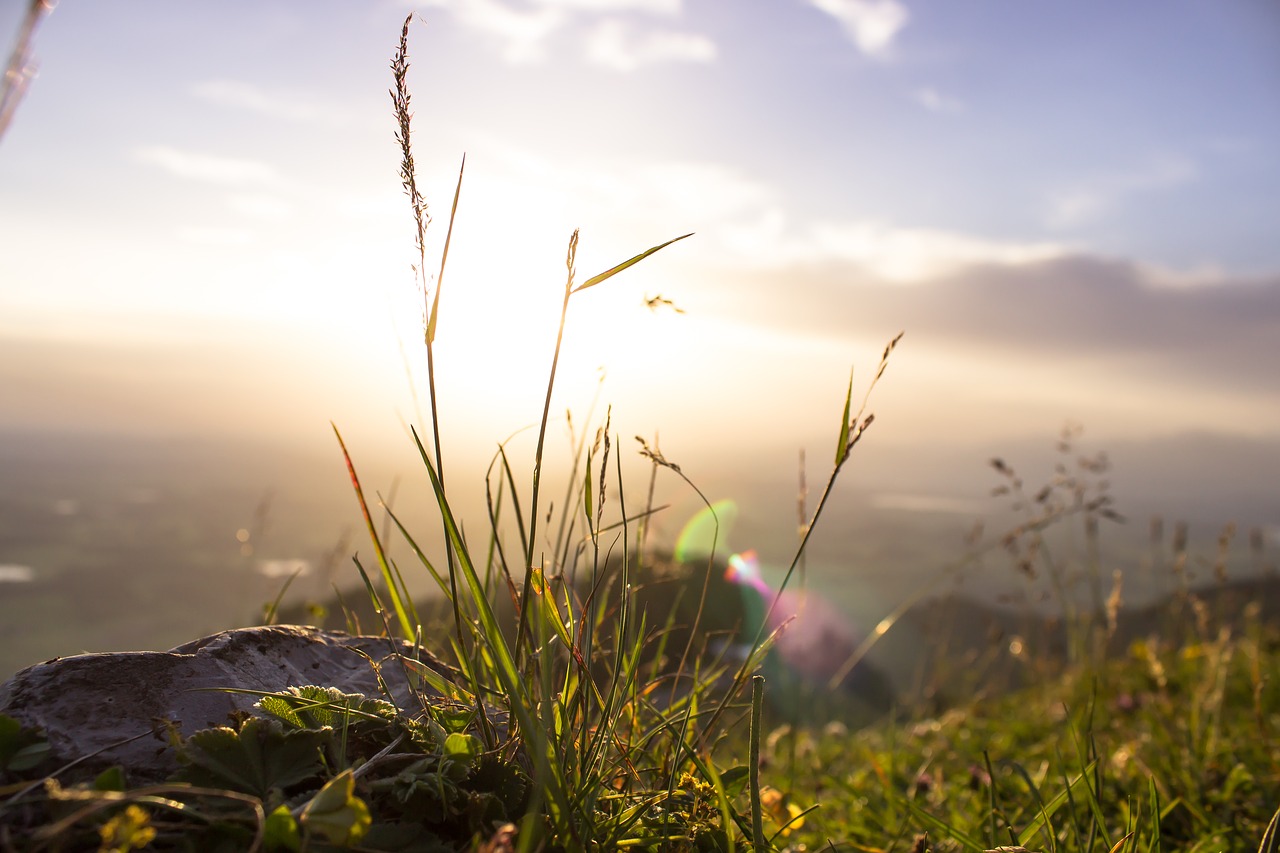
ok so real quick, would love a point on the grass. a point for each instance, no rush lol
(1168, 746)
(575, 716)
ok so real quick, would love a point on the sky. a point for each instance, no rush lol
(1069, 209)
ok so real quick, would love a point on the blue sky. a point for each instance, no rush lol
(1070, 209)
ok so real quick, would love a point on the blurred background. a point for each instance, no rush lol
(205, 259)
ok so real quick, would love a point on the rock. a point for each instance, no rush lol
(105, 709)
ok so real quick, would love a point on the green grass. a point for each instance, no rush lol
(576, 716)
(1167, 746)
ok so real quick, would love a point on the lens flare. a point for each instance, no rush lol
(707, 533)
(813, 639)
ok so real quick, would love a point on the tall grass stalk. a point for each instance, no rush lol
(400, 99)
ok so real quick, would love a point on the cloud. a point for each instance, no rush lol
(740, 218)
(878, 250)
(936, 102)
(625, 195)
(613, 44)
(1071, 307)
(247, 96)
(521, 34)
(910, 255)
(1093, 199)
(871, 25)
(652, 7)
(206, 168)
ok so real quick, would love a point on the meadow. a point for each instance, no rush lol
(601, 696)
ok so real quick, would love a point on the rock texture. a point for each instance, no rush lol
(105, 709)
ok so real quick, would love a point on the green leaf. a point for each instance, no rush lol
(463, 747)
(28, 757)
(20, 748)
(281, 831)
(735, 779)
(111, 779)
(312, 707)
(453, 719)
(505, 781)
(337, 813)
(612, 271)
(842, 448)
(260, 756)
(277, 706)
(586, 496)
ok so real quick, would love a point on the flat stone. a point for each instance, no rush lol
(106, 709)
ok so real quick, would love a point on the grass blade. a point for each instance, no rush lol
(842, 448)
(612, 271)
(757, 809)
(1271, 838)
(444, 257)
(398, 596)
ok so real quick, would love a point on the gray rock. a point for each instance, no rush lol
(105, 709)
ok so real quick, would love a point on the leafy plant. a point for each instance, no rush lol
(21, 749)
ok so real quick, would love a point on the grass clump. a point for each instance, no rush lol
(616, 756)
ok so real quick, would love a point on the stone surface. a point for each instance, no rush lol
(106, 709)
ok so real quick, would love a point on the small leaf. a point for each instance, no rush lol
(111, 779)
(337, 813)
(277, 706)
(505, 781)
(463, 747)
(28, 757)
(734, 780)
(612, 271)
(453, 719)
(20, 748)
(842, 449)
(281, 831)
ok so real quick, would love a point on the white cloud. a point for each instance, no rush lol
(247, 96)
(520, 33)
(652, 7)
(907, 255)
(1071, 207)
(936, 102)
(617, 197)
(206, 167)
(872, 25)
(523, 32)
(888, 253)
(613, 44)
(742, 223)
